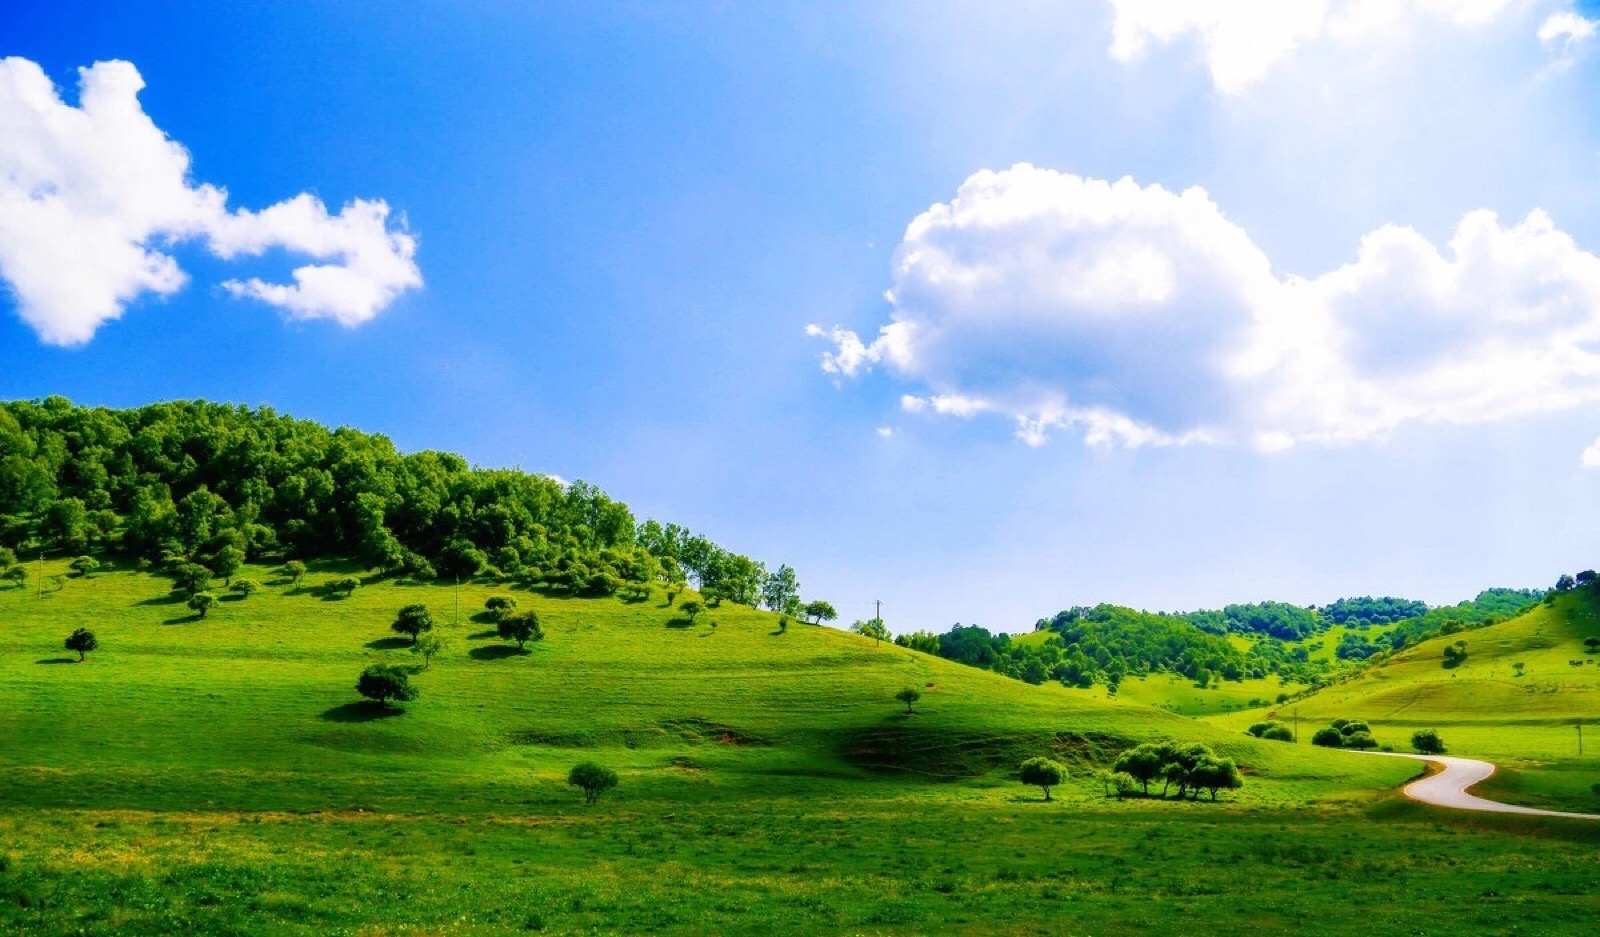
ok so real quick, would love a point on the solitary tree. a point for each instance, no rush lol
(1043, 773)
(201, 602)
(385, 683)
(783, 624)
(85, 566)
(820, 611)
(909, 696)
(412, 621)
(344, 586)
(191, 578)
(83, 641)
(427, 645)
(227, 562)
(1428, 742)
(521, 629)
(499, 606)
(692, 609)
(593, 779)
(295, 570)
(245, 588)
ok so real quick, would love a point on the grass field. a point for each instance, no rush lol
(221, 776)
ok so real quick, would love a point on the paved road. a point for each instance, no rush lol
(1449, 787)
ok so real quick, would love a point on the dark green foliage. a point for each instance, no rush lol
(85, 566)
(692, 609)
(201, 602)
(386, 683)
(1273, 731)
(593, 779)
(818, 611)
(1349, 727)
(1366, 611)
(344, 585)
(781, 589)
(1455, 655)
(295, 570)
(520, 628)
(244, 588)
(1592, 644)
(925, 641)
(412, 621)
(873, 628)
(1143, 763)
(1214, 774)
(190, 578)
(909, 696)
(1428, 742)
(83, 641)
(1043, 773)
(1328, 737)
(499, 606)
(1360, 740)
(226, 483)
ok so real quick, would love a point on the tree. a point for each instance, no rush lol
(521, 629)
(1142, 763)
(427, 645)
(909, 696)
(295, 570)
(872, 628)
(783, 624)
(819, 611)
(245, 588)
(344, 586)
(1328, 737)
(1428, 742)
(191, 578)
(593, 779)
(780, 589)
(83, 641)
(1043, 773)
(499, 606)
(85, 566)
(1362, 741)
(1272, 730)
(16, 575)
(692, 609)
(226, 562)
(1125, 784)
(385, 683)
(1565, 583)
(1214, 774)
(412, 621)
(1349, 727)
(201, 602)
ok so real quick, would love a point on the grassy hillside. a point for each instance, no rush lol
(221, 776)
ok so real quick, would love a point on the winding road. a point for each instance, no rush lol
(1448, 788)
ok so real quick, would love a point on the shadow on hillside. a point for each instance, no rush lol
(57, 660)
(388, 644)
(364, 711)
(484, 617)
(182, 620)
(171, 598)
(679, 623)
(496, 652)
(480, 635)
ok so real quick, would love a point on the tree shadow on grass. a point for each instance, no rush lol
(388, 644)
(171, 598)
(497, 652)
(183, 620)
(480, 635)
(57, 660)
(679, 623)
(364, 711)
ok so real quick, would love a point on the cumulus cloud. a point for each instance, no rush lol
(1242, 40)
(1566, 34)
(94, 197)
(1139, 316)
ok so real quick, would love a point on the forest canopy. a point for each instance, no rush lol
(192, 481)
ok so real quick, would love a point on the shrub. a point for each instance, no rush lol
(245, 588)
(1043, 773)
(1428, 742)
(593, 779)
(385, 683)
(1360, 740)
(1272, 730)
(83, 641)
(344, 586)
(909, 696)
(201, 602)
(521, 628)
(295, 570)
(85, 566)
(1328, 737)
(499, 606)
(1125, 784)
(412, 621)
(1352, 726)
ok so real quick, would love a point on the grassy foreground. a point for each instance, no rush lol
(221, 776)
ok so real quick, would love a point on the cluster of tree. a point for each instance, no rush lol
(1345, 733)
(1280, 620)
(214, 485)
(1272, 730)
(1489, 607)
(1189, 769)
(1455, 655)
(1366, 611)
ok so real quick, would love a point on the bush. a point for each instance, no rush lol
(1352, 726)
(499, 606)
(83, 641)
(909, 696)
(1360, 740)
(593, 779)
(1272, 731)
(85, 566)
(521, 628)
(1125, 784)
(1328, 738)
(201, 602)
(245, 588)
(1428, 742)
(344, 586)
(1043, 773)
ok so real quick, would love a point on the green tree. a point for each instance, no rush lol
(85, 566)
(499, 606)
(783, 624)
(1214, 774)
(1328, 737)
(1272, 730)
(1142, 763)
(1125, 784)
(909, 696)
(692, 609)
(427, 645)
(190, 578)
(83, 641)
(412, 621)
(244, 588)
(780, 589)
(593, 779)
(521, 629)
(819, 611)
(1428, 742)
(1360, 740)
(386, 683)
(201, 602)
(295, 570)
(1043, 773)
(226, 562)
(873, 628)
(344, 586)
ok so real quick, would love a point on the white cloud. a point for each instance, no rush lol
(1591, 456)
(885, 432)
(1243, 40)
(93, 197)
(1566, 34)
(1136, 316)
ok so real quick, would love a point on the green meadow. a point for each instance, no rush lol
(222, 776)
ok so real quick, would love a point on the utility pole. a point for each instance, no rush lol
(877, 609)
(40, 593)
(458, 601)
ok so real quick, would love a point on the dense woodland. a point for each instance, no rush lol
(196, 482)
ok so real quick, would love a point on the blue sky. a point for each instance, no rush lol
(625, 219)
